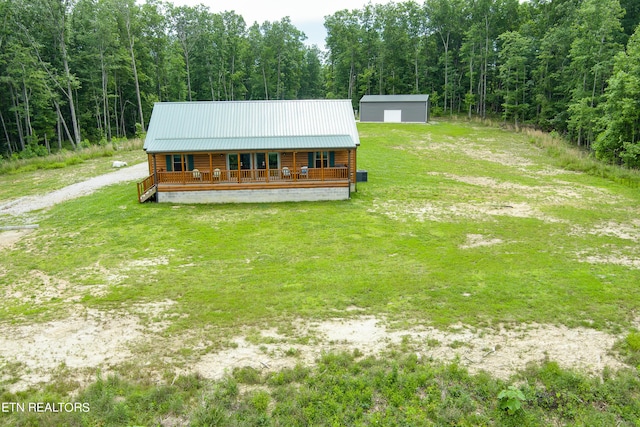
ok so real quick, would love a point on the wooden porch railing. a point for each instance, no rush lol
(253, 175)
(146, 188)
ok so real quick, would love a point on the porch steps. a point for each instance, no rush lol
(148, 194)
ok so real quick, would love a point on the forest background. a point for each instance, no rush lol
(80, 72)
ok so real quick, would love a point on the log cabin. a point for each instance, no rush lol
(250, 151)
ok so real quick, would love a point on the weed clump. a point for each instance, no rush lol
(629, 348)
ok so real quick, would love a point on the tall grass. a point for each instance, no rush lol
(66, 158)
(576, 159)
(567, 155)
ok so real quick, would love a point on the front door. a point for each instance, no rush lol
(245, 161)
(261, 162)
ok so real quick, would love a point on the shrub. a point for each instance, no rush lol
(511, 399)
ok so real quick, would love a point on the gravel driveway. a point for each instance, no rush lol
(32, 203)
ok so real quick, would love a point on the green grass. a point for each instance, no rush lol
(43, 174)
(253, 263)
(398, 249)
(231, 264)
(348, 389)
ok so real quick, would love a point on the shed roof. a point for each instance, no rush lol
(250, 125)
(395, 98)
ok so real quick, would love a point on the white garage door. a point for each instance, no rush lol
(392, 116)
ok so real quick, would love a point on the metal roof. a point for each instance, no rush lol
(249, 125)
(395, 98)
(274, 143)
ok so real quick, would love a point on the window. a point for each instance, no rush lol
(321, 159)
(260, 162)
(274, 160)
(177, 163)
(233, 162)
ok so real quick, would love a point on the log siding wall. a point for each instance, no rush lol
(207, 162)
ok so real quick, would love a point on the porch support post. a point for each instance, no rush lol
(322, 165)
(239, 168)
(355, 168)
(349, 167)
(184, 175)
(294, 167)
(211, 167)
(266, 164)
(349, 171)
(155, 170)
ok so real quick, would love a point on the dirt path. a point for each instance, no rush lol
(32, 203)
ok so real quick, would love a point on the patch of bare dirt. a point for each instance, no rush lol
(615, 258)
(518, 210)
(38, 289)
(123, 272)
(479, 152)
(9, 238)
(499, 352)
(498, 202)
(482, 181)
(551, 171)
(478, 240)
(442, 212)
(559, 192)
(626, 231)
(150, 262)
(88, 339)
(93, 339)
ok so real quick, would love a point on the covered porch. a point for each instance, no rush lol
(275, 176)
(248, 170)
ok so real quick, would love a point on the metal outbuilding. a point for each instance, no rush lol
(394, 108)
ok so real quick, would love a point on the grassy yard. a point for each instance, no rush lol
(41, 175)
(401, 247)
(458, 224)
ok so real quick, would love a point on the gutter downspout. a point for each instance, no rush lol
(155, 176)
(349, 171)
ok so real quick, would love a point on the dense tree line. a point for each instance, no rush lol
(73, 71)
(565, 65)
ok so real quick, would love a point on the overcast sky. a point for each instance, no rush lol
(307, 16)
